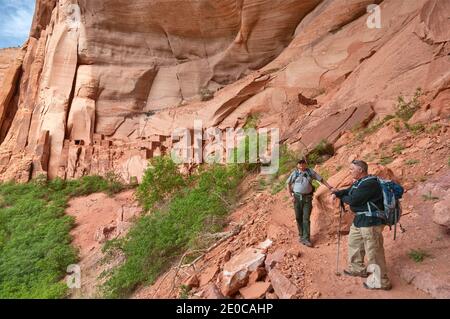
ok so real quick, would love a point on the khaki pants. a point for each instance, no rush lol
(367, 241)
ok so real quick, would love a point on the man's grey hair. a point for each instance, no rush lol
(363, 165)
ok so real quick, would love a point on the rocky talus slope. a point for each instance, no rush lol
(259, 255)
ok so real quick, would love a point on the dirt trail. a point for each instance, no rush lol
(98, 217)
(320, 264)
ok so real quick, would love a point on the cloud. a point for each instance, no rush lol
(15, 21)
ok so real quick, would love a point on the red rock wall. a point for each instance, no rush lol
(130, 70)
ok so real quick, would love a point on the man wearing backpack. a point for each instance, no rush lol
(366, 233)
(300, 188)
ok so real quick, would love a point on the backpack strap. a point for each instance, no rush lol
(362, 181)
(297, 174)
(308, 173)
(370, 212)
(367, 178)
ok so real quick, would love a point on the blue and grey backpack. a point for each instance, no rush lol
(391, 210)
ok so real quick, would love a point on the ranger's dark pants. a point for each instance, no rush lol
(303, 207)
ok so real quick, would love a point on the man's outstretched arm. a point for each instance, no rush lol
(320, 179)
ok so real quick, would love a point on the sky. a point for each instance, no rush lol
(15, 21)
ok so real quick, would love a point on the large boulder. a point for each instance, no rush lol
(437, 188)
(282, 286)
(274, 258)
(208, 275)
(236, 271)
(255, 291)
(441, 212)
(212, 292)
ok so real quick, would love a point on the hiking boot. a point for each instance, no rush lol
(306, 242)
(373, 288)
(356, 274)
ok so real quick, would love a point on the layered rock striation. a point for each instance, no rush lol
(101, 85)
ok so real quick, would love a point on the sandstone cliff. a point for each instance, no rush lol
(7, 57)
(100, 85)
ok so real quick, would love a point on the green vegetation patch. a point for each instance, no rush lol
(405, 110)
(363, 132)
(429, 197)
(418, 255)
(317, 155)
(397, 149)
(412, 162)
(385, 160)
(160, 237)
(35, 245)
(159, 182)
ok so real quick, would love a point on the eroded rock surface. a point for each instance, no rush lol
(107, 78)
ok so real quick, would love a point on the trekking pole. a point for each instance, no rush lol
(395, 226)
(341, 211)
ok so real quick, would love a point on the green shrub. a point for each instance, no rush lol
(418, 255)
(206, 94)
(287, 163)
(429, 197)
(415, 128)
(184, 292)
(363, 132)
(322, 149)
(397, 126)
(262, 184)
(35, 245)
(315, 184)
(369, 157)
(252, 121)
(324, 173)
(405, 110)
(412, 162)
(157, 239)
(397, 149)
(114, 183)
(278, 187)
(385, 160)
(433, 128)
(161, 179)
(243, 150)
(288, 160)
